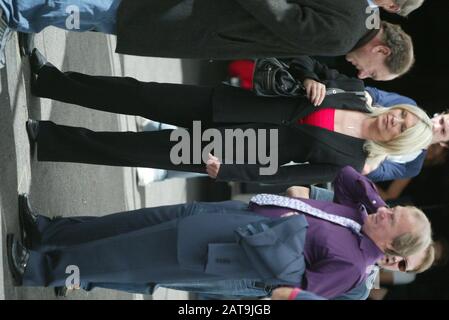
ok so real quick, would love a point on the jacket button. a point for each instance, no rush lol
(374, 201)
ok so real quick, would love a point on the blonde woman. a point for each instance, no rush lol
(331, 126)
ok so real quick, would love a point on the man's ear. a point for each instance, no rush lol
(392, 7)
(382, 49)
(388, 245)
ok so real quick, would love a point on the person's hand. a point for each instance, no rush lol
(366, 169)
(281, 293)
(298, 192)
(316, 91)
(213, 166)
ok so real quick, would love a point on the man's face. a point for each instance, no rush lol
(388, 223)
(370, 62)
(394, 263)
(440, 128)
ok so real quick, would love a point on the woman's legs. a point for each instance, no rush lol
(129, 149)
(149, 149)
(174, 104)
(148, 175)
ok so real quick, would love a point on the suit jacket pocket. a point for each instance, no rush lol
(229, 261)
(279, 259)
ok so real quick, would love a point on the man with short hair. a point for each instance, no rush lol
(415, 263)
(203, 29)
(383, 55)
(340, 242)
(386, 56)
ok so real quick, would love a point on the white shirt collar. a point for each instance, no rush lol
(372, 4)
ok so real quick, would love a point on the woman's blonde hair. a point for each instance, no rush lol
(411, 140)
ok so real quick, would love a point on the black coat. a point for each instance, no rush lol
(231, 29)
(320, 152)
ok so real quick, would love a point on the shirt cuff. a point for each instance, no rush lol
(294, 293)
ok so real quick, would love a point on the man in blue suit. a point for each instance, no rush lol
(213, 242)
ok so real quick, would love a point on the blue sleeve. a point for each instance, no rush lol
(361, 292)
(307, 295)
(388, 99)
(390, 170)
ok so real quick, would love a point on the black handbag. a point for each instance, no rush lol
(272, 79)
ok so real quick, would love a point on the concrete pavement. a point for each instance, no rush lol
(74, 189)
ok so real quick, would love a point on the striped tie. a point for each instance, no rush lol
(296, 204)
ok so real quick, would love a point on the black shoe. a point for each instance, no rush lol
(27, 219)
(61, 291)
(26, 43)
(37, 61)
(32, 127)
(18, 257)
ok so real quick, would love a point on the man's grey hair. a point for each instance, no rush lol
(407, 6)
(426, 262)
(412, 242)
(402, 56)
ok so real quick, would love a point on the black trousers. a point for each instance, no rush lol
(175, 104)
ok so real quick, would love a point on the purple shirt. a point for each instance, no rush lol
(336, 258)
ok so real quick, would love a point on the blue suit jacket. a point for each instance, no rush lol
(239, 245)
(264, 248)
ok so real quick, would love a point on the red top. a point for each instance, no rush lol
(323, 118)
